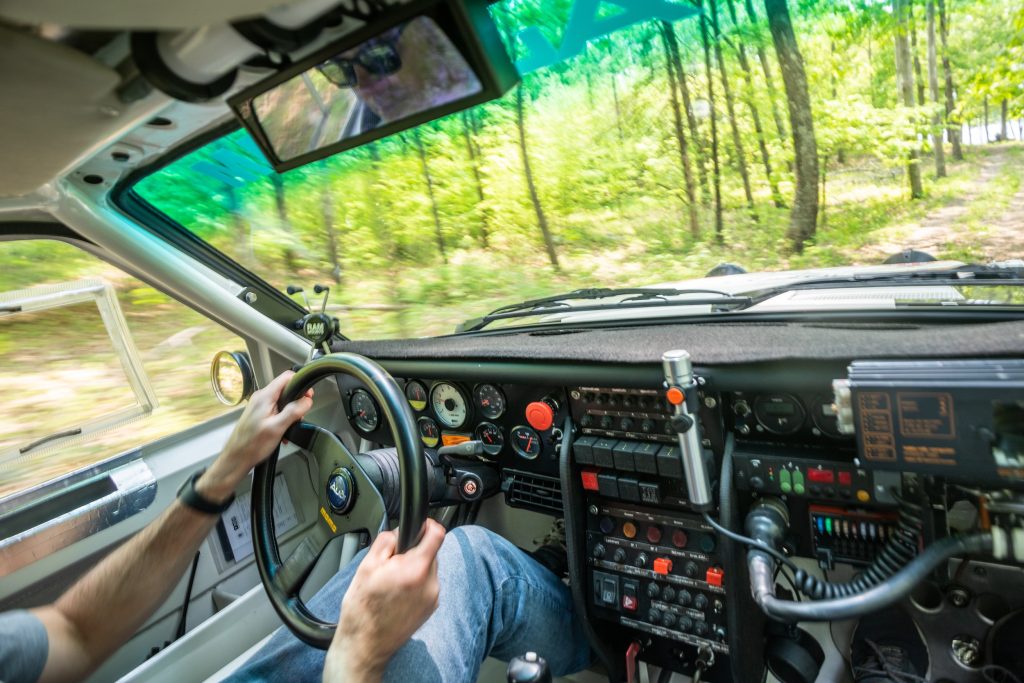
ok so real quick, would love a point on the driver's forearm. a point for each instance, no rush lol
(109, 604)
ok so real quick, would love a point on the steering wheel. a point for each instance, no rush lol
(347, 499)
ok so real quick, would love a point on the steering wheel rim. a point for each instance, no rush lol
(413, 495)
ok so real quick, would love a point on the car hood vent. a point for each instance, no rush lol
(532, 491)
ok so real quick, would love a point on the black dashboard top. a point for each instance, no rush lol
(721, 343)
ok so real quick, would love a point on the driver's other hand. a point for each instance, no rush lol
(258, 432)
(391, 595)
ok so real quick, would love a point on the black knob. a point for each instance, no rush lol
(669, 620)
(603, 398)
(668, 594)
(647, 426)
(685, 624)
(606, 422)
(589, 396)
(720, 633)
(598, 551)
(690, 569)
(654, 616)
(756, 483)
(631, 401)
(700, 602)
(616, 400)
(619, 556)
(701, 629)
(640, 561)
(530, 668)
(646, 401)
(586, 420)
(684, 598)
(652, 590)
(717, 606)
(626, 425)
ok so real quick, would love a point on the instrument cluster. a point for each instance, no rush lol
(519, 426)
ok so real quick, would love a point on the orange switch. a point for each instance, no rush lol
(662, 565)
(589, 479)
(629, 530)
(675, 395)
(715, 576)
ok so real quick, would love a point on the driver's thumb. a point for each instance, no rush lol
(292, 413)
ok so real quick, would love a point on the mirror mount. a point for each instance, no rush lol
(415, 63)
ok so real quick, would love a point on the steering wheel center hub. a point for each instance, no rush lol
(341, 490)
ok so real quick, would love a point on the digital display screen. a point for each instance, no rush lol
(779, 409)
(1008, 425)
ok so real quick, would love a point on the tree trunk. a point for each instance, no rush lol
(730, 107)
(695, 137)
(748, 97)
(768, 80)
(280, 201)
(474, 164)
(933, 87)
(1003, 131)
(674, 67)
(430, 191)
(803, 218)
(382, 230)
(618, 108)
(918, 78)
(542, 220)
(953, 128)
(331, 233)
(987, 138)
(824, 196)
(716, 175)
(905, 83)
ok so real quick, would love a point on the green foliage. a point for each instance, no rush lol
(601, 143)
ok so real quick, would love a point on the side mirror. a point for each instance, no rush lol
(232, 377)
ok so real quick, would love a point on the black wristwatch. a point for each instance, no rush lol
(188, 495)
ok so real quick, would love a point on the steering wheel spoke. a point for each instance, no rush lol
(294, 571)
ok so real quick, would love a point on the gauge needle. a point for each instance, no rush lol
(529, 442)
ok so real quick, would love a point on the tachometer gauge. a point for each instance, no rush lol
(490, 401)
(430, 433)
(449, 404)
(526, 442)
(491, 437)
(825, 418)
(779, 413)
(416, 394)
(364, 411)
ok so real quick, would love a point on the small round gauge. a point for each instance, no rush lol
(416, 394)
(430, 433)
(526, 442)
(364, 411)
(449, 404)
(491, 436)
(825, 418)
(490, 401)
(779, 413)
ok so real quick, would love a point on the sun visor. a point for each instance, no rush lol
(51, 111)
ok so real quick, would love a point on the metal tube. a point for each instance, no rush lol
(679, 374)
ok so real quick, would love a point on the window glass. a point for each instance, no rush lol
(647, 144)
(58, 367)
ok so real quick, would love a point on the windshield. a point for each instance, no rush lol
(646, 145)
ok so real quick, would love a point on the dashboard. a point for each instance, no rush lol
(599, 445)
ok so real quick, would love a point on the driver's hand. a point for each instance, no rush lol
(258, 432)
(390, 597)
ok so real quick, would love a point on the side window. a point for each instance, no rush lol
(69, 397)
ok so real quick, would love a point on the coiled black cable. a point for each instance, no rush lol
(901, 548)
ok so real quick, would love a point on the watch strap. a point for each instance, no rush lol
(190, 497)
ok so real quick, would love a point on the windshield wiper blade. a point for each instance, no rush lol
(635, 297)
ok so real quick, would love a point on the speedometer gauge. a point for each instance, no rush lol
(449, 404)
(490, 401)
(364, 412)
(416, 394)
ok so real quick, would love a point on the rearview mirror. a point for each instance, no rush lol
(426, 60)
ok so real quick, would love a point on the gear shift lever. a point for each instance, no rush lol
(530, 668)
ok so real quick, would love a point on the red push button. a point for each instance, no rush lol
(662, 565)
(715, 576)
(629, 603)
(679, 538)
(653, 534)
(675, 396)
(540, 416)
(821, 476)
(589, 479)
(846, 478)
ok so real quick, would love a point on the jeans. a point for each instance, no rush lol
(495, 600)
